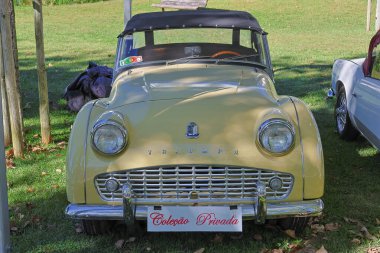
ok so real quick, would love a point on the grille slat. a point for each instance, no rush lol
(207, 182)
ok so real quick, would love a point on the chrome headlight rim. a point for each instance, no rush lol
(122, 129)
(266, 124)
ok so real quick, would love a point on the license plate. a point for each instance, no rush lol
(194, 218)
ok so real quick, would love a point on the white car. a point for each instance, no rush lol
(356, 83)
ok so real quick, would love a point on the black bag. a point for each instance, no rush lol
(95, 82)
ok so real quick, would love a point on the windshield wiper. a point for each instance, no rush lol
(236, 57)
(187, 59)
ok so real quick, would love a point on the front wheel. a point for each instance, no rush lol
(344, 126)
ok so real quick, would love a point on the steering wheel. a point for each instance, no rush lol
(223, 52)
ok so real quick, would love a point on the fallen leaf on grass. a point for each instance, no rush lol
(318, 228)
(59, 171)
(349, 220)
(367, 234)
(217, 239)
(27, 223)
(321, 250)
(201, 250)
(30, 190)
(374, 250)
(10, 153)
(355, 241)
(37, 149)
(61, 144)
(119, 244)
(131, 239)
(291, 233)
(43, 173)
(55, 186)
(36, 136)
(36, 219)
(332, 227)
(294, 248)
(9, 163)
(307, 249)
(257, 237)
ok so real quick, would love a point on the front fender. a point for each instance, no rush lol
(312, 154)
(75, 159)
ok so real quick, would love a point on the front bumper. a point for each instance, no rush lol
(255, 211)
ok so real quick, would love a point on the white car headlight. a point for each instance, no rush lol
(109, 137)
(276, 136)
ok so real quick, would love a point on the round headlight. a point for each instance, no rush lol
(109, 137)
(276, 136)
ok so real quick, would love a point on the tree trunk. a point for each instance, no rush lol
(15, 55)
(369, 6)
(10, 70)
(377, 26)
(41, 71)
(4, 101)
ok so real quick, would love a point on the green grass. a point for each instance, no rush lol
(305, 37)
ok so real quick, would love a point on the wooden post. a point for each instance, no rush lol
(41, 71)
(4, 101)
(127, 11)
(369, 6)
(11, 84)
(377, 26)
(5, 242)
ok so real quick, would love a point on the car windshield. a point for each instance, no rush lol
(183, 45)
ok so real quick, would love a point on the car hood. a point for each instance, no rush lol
(227, 114)
(186, 81)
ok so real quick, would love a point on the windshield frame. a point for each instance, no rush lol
(262, 51)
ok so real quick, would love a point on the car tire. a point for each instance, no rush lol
(298, 224)
(343, 123)
(96, 227)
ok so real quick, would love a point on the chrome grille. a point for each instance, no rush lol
(171, 183)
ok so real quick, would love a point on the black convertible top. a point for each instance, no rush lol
(190, 19)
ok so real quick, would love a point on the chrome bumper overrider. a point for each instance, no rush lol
(254, 211)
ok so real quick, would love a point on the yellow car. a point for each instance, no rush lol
(194, 136)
